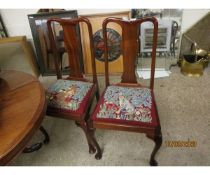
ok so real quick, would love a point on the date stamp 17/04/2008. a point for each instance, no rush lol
(181, 143)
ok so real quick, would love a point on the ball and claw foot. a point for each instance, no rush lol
(153, 162)
(98, 156)
(92, 150)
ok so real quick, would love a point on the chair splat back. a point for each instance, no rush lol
(129, 45)
(72, 45)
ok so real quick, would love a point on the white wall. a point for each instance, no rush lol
(16, 20)
(191, 16)
(96, 11)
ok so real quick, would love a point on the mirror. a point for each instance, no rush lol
(169, 35)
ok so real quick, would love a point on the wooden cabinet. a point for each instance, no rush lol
(115, 66)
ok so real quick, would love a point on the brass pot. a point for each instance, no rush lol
(193, 65)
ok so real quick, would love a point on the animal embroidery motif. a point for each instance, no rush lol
(126, 103)
(65, 94)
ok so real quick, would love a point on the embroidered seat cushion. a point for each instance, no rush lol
(133, 105)
(69, 95)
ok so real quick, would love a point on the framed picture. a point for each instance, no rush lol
(44, 53)
(3, 32)
(114, 37)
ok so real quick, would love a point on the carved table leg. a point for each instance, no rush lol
(44, 132)
(83, 125)
(157, 138)
(37, 146)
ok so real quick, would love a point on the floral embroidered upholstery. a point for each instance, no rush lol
(126, 104)
(68, 95)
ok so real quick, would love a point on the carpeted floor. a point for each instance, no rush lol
(184, 110)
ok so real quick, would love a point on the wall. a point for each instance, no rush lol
(16, 20)
(191, 16)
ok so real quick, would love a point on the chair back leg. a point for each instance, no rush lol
(83, 126)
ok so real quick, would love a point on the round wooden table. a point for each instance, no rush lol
(22, 108)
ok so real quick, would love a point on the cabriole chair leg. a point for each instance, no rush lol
(91, 132)
(83, 126)
(98, 155)
(157, 138)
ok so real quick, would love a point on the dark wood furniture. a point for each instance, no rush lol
(47, 51)
(38, 25)
(71, 97)
(128, 106)
(22, 108)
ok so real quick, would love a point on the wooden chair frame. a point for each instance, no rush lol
(130, 35)
(72, 45)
